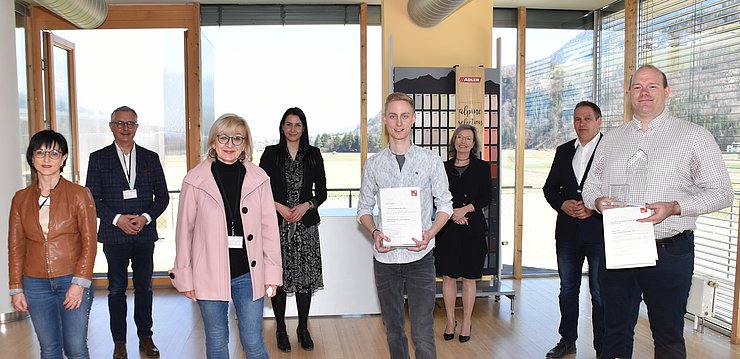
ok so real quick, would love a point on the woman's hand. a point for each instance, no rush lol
(73, 298)
(298, 212)
(270, 290)
(19, 302)
(190, 295)
(458, 215)
(284, 211)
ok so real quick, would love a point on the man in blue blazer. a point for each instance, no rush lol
(579, 232)
(130, 192)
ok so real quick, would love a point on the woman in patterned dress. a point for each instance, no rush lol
(298, 182)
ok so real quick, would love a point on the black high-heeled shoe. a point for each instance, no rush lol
(305, 338)
(465, 338)
(283, 341)
(450, 336)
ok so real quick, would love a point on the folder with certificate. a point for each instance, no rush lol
(400, 216)
(628, 243)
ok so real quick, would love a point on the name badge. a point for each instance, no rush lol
(129, 194)
(236, 241)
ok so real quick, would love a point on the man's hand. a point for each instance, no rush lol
(138, 222)
(378, 238)
(576, 209)
(127, 225)
(661, 211)
(421, 245)
(602, 203)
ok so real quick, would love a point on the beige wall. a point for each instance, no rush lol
(9, 146)
(463, 38)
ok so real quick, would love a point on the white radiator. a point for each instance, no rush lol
(701, 299)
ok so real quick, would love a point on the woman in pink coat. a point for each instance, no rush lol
(228, 246)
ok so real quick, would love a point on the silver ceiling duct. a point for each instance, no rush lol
(85, 14)
(428, 13)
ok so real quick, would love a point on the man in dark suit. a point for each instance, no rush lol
(130, 192)
(579, 231)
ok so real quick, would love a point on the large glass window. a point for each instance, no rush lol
(143, 69)
(559, 75)
(262, 70)
(374, 88)
(507, 130)
(20, 53)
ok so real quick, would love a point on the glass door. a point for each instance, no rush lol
(60, 95)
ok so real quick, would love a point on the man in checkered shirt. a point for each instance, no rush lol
(676, 168)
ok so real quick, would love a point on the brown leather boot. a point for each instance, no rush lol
(147, 346)
(120, 351)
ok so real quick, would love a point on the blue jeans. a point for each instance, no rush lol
(56, 327)
(249, 318)
(570, 255)
(418, 280)
(140, 255)
(665, 290)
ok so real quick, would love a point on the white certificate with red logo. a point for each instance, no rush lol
(627, 242)
(400, 216)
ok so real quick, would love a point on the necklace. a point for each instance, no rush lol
(46, 198)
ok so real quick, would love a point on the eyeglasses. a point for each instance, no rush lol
(465, 138)
(128, 124)
(236, 140)
(53, 154)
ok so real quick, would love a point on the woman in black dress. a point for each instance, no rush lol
(461, 246)
(298, 182)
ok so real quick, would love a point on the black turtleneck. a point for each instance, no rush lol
(229, 179)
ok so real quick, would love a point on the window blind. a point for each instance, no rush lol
(610, 65)
(225, 15)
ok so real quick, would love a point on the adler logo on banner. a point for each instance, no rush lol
(470, 79)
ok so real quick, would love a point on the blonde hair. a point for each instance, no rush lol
(398, 96)
(230, 123)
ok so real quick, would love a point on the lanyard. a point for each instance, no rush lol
(127, 167)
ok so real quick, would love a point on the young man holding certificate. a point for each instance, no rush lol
(403, 179)
(675, 168)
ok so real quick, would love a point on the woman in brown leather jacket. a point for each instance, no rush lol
(51, 250)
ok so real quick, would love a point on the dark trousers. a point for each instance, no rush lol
(665, 290)
(418, 280)
(140, 256)
(570, 255)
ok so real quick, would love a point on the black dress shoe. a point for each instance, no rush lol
(561, 350)
(465, 338)
(450, 336)
(283, 341)
(305, 338)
